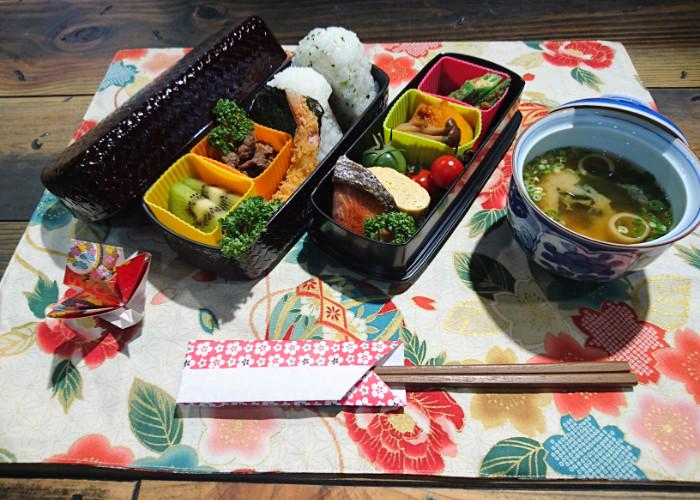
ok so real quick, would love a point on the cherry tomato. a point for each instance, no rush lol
(425, 181)
(445, 169)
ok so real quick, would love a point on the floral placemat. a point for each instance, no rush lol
(94, 394)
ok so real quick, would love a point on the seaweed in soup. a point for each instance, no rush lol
(598, 195)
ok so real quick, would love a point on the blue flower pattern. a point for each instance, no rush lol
(516, 204)
(50, 213)
(119, 75)
(568, 260)
(586, 451)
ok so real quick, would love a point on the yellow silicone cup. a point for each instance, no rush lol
(421, 150)
(267, 182)
(195, 166)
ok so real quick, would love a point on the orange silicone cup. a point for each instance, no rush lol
(267, 182)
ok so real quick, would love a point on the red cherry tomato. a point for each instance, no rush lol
(445, 169)
(425, 181)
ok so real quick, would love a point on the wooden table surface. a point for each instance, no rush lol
(53, 55)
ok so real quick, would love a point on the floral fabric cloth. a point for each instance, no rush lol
(87, 392)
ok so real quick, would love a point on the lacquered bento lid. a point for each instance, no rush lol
(109, 168)
(630, 105)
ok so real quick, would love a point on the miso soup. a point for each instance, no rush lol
(598, 195)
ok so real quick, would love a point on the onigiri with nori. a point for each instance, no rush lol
(339, 56)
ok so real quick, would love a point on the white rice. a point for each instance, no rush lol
(310, 83)
(338, 55)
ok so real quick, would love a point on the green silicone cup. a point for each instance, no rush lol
(421, 150)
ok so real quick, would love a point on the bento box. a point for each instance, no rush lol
(403, 263)
(133, 149)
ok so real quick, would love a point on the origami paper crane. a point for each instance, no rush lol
(104, 283)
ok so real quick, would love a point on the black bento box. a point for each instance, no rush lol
(403, 264)
(108, 170)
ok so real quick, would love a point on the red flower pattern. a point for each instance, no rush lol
(617, 330)
(495, 193)
(413, 49)
(682, 363)
(563, 347)
(413, 440)
(424, 302)
(532, 111)
(575, 53)
(132, 54)
(91, 339)
(84, 128)
(399, 69)
(673, 428)
(94, 449)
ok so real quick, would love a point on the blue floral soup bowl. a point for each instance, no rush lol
(622, 127)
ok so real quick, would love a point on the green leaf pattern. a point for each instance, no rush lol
(515, 457)
(483, 274)
(587, 78)
(18, 339)
(483, 220)
(66, 384)
(154, 417)
(689, 254)
(6, 456)
(44, 294)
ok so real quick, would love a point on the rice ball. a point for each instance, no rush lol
(339, 55)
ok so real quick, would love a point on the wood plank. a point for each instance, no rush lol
(34, 129)
(22, 489)
(176, 490)
(667, 67)
(682, 106)
(40, 126)
(10, 233)
(22, 186)
(61, 48)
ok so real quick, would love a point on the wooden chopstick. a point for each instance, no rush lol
(587, 375)
(513, 369)
(549, 380)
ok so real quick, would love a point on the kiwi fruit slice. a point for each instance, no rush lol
(222, 198)
(212, 221)
(219, 196)
(193, 208)
(193, 183)
(179, 201)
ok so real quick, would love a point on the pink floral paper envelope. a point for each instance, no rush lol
(290, 372)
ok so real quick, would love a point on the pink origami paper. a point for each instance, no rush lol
(290, 372)
(104, 283)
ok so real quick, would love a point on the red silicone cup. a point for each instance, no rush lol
(449, 74)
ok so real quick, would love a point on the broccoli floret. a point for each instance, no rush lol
(393, 227)
(232, 126)
(242, 227)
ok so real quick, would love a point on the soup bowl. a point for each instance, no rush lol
(627, 129)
